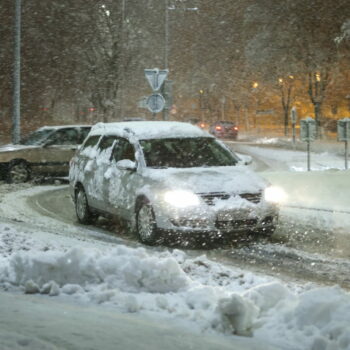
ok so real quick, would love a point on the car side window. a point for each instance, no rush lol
(90, 142)
(64, 137)
(106, 142)
(123, 150)
(104, 149)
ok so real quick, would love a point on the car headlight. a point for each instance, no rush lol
(181, 199)
(275, 194)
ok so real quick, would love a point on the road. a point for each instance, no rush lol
(288, 256)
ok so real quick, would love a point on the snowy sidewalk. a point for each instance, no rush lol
(325, 190)
(321, 195)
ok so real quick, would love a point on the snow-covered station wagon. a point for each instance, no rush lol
(168, 178)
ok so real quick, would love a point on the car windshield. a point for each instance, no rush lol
(186, 153)
(37, 137)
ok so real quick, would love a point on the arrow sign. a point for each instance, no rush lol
(155, 103)
(156, 77)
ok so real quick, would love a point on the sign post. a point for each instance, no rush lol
(343, 131)
(308, 134)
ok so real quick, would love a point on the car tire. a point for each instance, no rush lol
(146, 226)
(82, 209)
(18, 172)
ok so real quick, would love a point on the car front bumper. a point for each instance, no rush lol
(225, 134)
(206, 219)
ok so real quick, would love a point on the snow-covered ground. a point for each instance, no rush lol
(159, 297)
(195, 294)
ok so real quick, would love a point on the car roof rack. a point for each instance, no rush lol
(129, 131)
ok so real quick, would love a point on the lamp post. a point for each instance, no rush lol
(122, 92)
(16, 98)
(166, 39)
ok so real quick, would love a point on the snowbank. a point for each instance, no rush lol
(204, 295)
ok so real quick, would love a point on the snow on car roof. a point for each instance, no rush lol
(149, 129)
(63, 126)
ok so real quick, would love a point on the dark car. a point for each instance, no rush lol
(224, 129)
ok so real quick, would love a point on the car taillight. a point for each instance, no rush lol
(218, 128)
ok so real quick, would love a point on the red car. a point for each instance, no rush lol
(224, 129)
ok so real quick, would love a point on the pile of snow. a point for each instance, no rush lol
(133, 280)
(318, 319)
(205, 295)
(125, 269)
(268, 141)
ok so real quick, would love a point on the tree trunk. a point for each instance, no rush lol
(286, 115)
(318, 118)
(318, 82)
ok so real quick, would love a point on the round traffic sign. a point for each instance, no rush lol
(155, 103)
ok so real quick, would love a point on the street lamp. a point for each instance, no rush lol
(167, 32)
(122, 92)
(167, 83)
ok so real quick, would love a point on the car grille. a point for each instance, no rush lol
(252, 197)
(209, 198)
(236, 224)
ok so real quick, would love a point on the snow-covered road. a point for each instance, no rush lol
(299, 249)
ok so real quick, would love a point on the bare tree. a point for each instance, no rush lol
(286, 86)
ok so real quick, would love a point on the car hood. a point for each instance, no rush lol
(14, 148)
(232, 179)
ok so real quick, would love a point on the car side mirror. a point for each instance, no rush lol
(126, 164)
(244, 159)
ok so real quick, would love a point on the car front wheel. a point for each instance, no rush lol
(18, 172)
(82, 209)
(146, 225)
